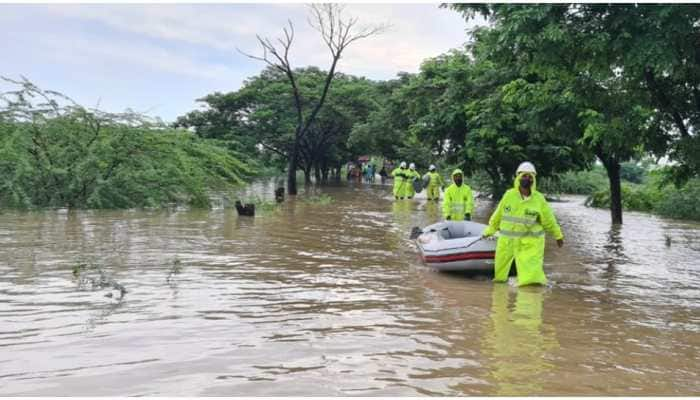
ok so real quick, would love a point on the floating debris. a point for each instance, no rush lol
(247, 209)
(174, 270)
(279, 194)
(86, 274)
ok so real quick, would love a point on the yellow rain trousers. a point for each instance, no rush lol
(400, 175)
(436, 182)
(522, 224)
(412, 176)
(458, 200)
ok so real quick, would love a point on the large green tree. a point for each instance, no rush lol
(570, 46)
(262, 115)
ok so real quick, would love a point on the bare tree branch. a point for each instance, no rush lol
(337, 33)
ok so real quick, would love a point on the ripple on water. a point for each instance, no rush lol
(332, 300)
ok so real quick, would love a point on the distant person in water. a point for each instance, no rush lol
(435, 182)
(521, 218)
(412, 176)
(400, 175)
(459, 202)
(383, 175)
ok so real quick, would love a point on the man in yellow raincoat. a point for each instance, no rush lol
(434, 184)
(412, 176)
(459, 203)
(522, 217)
(400, 175)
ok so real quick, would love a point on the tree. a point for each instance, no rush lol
(262, 115)
(570, 46)
(337, 33)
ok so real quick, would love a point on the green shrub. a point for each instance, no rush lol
(680, 203)
(54, 155)
(579, 182)
(322, 199)
(654, 196)
(634, 197)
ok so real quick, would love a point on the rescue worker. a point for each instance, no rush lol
(400, 175)
(434, 184)
(522, 217)
(458, 203)
(412, 176)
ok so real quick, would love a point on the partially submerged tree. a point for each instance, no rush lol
(337, 33)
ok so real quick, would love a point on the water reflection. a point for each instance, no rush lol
(401, 209)
(516, 343)
(433, 212)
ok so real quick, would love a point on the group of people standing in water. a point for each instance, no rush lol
(458, 203)
(521, 218)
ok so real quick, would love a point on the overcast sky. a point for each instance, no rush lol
(160, 58)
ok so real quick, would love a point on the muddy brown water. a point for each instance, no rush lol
(331, 299)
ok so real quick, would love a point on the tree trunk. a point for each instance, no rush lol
(307, 176)
(317, 173)
(337, 173)
(612, 166)
(292, 171)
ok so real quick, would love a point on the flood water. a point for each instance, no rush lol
(331, 299)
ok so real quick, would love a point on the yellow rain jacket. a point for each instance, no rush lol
(436, 182)
(412, 176)
(458, 200)
(522, 224)
(400, 175)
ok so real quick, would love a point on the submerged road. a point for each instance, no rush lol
(331, 299)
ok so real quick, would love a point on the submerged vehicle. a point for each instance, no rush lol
(456, 246)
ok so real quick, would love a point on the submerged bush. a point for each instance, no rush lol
(579, 182)
(657, 197)
(322, 199)
(55, 153)
(681, 203)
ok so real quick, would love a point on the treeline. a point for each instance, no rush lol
(56, 153)
(260, 119)
(566, 86)
(563, 85)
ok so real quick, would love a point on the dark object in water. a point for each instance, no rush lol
(279, 194)
(246, 210)
(415, 232)
(417, 185)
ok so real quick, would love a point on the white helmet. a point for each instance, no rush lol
(403, 164)
(526, 167)
(412, 166)
(432, 167)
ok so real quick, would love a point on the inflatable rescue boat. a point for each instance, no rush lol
(456, 246)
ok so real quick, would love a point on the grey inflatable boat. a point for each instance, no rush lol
(456, 246)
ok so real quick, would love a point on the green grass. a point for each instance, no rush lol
(322, 199)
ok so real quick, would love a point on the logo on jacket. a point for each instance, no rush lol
(531, 213)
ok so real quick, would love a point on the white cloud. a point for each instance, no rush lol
(417, 30)
(182, 44)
